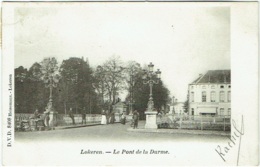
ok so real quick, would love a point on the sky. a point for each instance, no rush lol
(181, 41)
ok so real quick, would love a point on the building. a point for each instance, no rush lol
(210, 94)
(119, 107)
(177, 108)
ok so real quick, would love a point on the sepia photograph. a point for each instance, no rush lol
(132, 81)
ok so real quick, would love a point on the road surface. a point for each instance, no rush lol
(114, 132)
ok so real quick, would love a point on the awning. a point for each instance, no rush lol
(210, 110)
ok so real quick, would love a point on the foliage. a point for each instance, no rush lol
(20, 89)
(78, 86)
(141, 94)
(186, 105)
(49, 71)
(76, 89)
(110, 78)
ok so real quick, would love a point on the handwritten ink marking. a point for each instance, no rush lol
(220, 153)
(223, 151)
(242, 133)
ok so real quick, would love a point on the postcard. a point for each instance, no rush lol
(130, 83)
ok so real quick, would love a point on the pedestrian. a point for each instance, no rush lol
(103, 118)
(159, 114)
(46, 118)
(107, 116)
(112, 117)
(123, 118)
(135, 118)
(36, 114)
(71, 115)
(83, 115)
(34, 119)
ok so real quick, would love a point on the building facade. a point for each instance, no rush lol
(210, 94)
(177, 108)
(119, 107)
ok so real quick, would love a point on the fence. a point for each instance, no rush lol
(62, 119)
(200, 122)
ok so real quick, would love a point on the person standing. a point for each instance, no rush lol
(123, 118)
(107, 116)
(46, 118)
(112, 117)
(135, 118)
(35, 118)
(71, 115)
(103, 118)
(83, 115)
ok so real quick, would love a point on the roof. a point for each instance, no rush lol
(214, 76)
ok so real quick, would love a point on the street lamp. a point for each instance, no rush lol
(51, 83)
(148, 79)
(151, 78)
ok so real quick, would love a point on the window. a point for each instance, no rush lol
(204, 96)
(221, 86)
(229, 96)
(212, 87)
(221, 111)
(222, 96)
(229, 111)
(204, 87)
(229, 86)
(191, 87)
(213, 96)
(192, 96)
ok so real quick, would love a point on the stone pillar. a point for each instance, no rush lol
(151, 120)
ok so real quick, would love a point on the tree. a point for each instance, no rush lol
(35, 89)
(20, 91)
(99, 84)
(186, 104)
(29, 89)
(113, 77)
(142, 91)
(76, 88)
(131, 71)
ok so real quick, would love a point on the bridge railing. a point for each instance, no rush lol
(199, 122)
(62, 119)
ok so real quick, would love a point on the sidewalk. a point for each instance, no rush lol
(141, 129)
(77, 125)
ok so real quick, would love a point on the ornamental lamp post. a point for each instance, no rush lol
(51, 83)
(148, 78)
